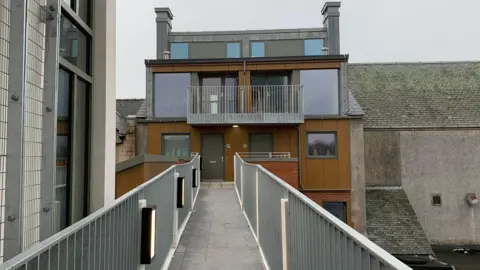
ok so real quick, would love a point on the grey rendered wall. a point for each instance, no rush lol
(140, 139)
(291, 38)
(209, 50)
(357, 172)
(444, 162)
(382, 158)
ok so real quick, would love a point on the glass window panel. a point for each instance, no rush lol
(179, 50)
(338, 209)
(322, 145)
(233, 50)
(84, 11)
(313, 47)
(257, 49)
(320, 91)
(176, 145)
(63, 94)
(78, 54)
(171, 94)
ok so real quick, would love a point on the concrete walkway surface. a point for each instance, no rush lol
(217, 235)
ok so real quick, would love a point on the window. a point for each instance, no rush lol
(176, 145)
(257, 49)
(171, 94)
(313, 47)
(233, 50)
(74, 45)
(322, 145)
(179, 50)
(320, 91)
(436, 199)
(338, 209)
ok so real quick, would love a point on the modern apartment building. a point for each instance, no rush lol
(278, 97)
(57, 88)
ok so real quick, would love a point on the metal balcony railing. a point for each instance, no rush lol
(110, 237)
(264, 154)
(293, 232)
(245, 104)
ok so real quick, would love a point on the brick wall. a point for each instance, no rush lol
(285, 170)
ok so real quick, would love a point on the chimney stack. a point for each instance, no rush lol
(331, 20)
(164, 26)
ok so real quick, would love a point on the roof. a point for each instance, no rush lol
(392, 223)
(121, 124)
(128, 107)
(142, 112)
(408, 95)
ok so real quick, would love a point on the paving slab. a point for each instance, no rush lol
(217, 235)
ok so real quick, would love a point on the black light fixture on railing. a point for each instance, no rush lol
(180, 192)
(148, 234)
(194, 177)
(201, 163)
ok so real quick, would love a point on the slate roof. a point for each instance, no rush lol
(408, 95)
(392, 223)
(142, 112)
(121, 124)
(128, 107)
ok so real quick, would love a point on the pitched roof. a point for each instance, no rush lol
(392, 223)
(142, 112)
(406, 95)
(128, 107)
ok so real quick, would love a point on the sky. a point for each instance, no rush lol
(370, 30)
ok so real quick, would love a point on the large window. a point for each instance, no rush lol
(179, 50)
(322, 145)
(171, 94)
(233, 50)
(320, 91)
(313, 47)
(74, 45)
(338, 209)
(218, 94)
(176, 145)
(269, 94)
(257, 49)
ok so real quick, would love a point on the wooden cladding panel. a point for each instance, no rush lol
(249, 66)
(62, 127)
(327, 173)
(284, 139)
(285, 170)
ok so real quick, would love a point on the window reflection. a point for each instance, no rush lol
(176, 145)
(74, 45)
(322, 145)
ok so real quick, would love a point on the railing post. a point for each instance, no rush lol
(191, 186)
(257, 204)
(241, 185)
(175, 210)
(283, 213)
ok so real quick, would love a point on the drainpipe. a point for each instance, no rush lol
(299, 169)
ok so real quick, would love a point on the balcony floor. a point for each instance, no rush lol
(217, 235)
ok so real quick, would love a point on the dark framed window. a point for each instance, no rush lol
(313, 47)
(176, 145)
(322, 145)
(75, 46)
(233, 50)
(338, 209)
(179, 50)
(257, 49)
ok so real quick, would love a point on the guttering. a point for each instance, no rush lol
(334, 58)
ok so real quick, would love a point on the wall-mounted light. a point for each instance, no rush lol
(180, 192)
(194, 177)
(235, 126)
(148, 244)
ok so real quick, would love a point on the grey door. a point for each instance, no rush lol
(212, 155)
(260, 142)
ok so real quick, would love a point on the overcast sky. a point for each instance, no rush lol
(370, 30)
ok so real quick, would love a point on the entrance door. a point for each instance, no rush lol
(212, 155)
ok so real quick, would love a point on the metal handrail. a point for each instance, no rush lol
(264, 154)
(294, 232)
(119, 224)
(245, 104)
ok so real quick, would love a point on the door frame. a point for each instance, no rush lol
(223, 150)
(255, 133)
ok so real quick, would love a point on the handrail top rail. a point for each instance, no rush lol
(360, 239)
(75, 227)
(246, 86)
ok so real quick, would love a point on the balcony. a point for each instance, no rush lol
(257, 222)
(263, 104)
